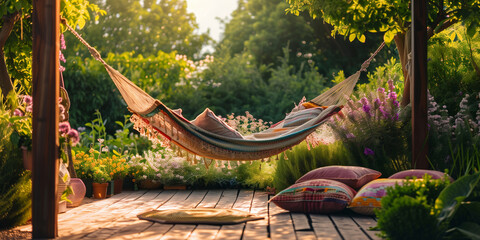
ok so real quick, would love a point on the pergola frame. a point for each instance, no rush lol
(45, 71)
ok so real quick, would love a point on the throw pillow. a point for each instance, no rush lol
(315, 196)
(369, 197)
(210, 122)
(419, 173)
(353, 176)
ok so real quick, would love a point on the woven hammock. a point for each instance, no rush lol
(159, 123)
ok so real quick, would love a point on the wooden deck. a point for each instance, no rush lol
(115, 218)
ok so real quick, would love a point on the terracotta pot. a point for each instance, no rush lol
(175, 187)
(118, 186)
(100, 190)
(27, 158)
(150, 184)
(79, 191)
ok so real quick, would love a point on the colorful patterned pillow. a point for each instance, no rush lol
(353, 176)
(315, 196)
(418, 173)
(210, 122)
(369, 196)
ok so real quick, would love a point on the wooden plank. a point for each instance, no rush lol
(419, 85)
(348, 228)
(183, 231)
(178, 198)
(242, 202)
(305, 235)
(324, 228)
(227, 199)
(211, 199)
(300, 221)
(45, 78)
(92, 221)
(367, 222)
(129, 225)
(281, 224)
(205, 232)
(258, 229)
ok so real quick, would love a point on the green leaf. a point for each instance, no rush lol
(468, 229)
(388, 37)
(116, 153)
(362, 38)
(81, 23)
(352, 37)
(449, 199)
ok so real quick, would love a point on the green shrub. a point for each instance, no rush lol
(15, 183)
(294, 163)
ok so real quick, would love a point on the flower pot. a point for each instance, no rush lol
(88, 187)
(110, 188)
(175, 187)
(129, 184)
(79, 191)
(150, 184)
(118, 186)
(100, 190)
(27, 158)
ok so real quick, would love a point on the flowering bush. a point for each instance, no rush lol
(453, 140)
(372, 129)
(246, 124)
(93, 165)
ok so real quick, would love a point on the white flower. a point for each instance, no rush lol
(100, 140)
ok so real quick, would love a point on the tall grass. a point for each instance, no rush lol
(299, 160)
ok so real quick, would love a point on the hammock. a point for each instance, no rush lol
(158, 122)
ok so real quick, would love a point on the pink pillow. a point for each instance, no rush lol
(419, 173)
(315, 196)
(353, 176)
(210, 122)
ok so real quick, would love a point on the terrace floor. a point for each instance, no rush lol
(115, 218)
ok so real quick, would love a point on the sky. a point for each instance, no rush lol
(206, 12)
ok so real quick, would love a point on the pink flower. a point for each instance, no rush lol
(27, 99)
(64, 128)
(29, 108)
(73, 135)
(381, 90)
(62, 42)
(390, 85)
(17, 112)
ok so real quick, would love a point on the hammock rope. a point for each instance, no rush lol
(159, 123)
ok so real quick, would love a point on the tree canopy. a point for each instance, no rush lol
(144, 27)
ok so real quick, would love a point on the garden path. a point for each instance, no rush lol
(115, 218)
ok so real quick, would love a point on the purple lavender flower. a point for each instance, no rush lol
(364, 101)
(392, 95)
(395, 117)
(390, 85)
(350, 135)
(17, 112)
(366, 109)
(74, 136)
(384, 113)
(381, 90)
(377, 103)
(64, 128)
(368, 152)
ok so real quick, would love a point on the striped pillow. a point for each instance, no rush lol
(300, 117)
(315, 196)
(369, 197)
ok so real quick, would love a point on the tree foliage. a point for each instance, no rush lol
(263, 29)
(353, 19)
(144, 27)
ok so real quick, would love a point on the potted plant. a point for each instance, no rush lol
(100, 183)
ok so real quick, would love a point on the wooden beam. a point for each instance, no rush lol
(45, 73)
(419, 84)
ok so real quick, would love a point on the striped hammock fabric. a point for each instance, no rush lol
(155, 120)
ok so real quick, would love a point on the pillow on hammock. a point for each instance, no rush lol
(315, 196)
(301, 116)
(210, 122)
(353, 176)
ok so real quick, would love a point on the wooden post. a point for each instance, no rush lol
(419, 84)
(45, 73)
